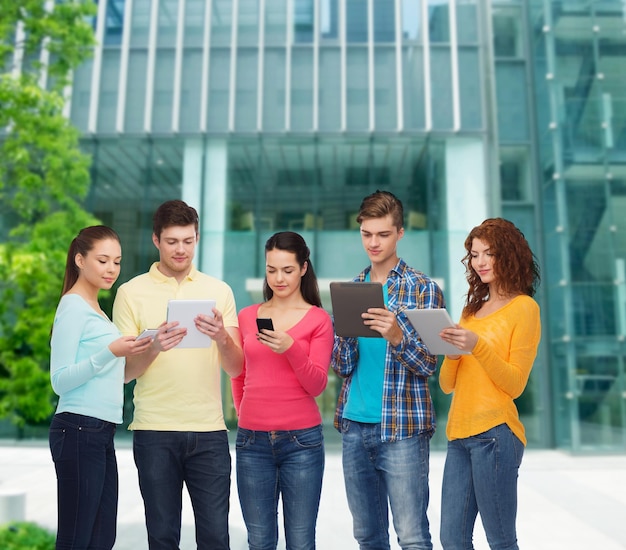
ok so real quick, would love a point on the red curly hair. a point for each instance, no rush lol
(514, 266)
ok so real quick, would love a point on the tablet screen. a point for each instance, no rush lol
(351, 299)
(185, 311)
(429, 323)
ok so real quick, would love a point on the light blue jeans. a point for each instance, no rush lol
(379, 475)
(480, 476)
(289, 464)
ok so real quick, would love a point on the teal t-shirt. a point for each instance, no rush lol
(365, 397)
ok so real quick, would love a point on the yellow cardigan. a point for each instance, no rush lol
(486, 382)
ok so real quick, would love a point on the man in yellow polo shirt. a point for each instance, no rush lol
(179, 434)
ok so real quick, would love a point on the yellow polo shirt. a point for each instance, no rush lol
(180, 390)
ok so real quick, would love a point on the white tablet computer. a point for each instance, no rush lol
(349, 301)
(185, 311)
(429, 323)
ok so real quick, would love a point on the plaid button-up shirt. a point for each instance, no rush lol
(407, 405)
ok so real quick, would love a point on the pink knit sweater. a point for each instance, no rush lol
(277, 391)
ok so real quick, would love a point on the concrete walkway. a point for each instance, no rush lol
(565, 502)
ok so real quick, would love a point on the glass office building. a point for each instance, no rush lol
(282, 114)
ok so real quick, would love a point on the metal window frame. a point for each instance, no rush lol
(96, 73)
(206, 65)
(152, 40)
(178, 67)
(124, 60)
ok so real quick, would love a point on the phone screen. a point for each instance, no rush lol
(262, 323)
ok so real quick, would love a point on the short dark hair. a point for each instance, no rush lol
(171, 213)
(82, 244)
(295, 243)
(380, 204)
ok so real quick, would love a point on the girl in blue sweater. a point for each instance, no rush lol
(87, 373)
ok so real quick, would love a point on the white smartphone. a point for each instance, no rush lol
(148, 333)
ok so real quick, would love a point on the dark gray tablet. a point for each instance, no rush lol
(349, 301)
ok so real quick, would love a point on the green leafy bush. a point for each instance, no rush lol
(25, 536)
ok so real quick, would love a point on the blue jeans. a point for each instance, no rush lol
(165, 460)
(480, 475)
(380, 472)
(285, 463)
(87, 482)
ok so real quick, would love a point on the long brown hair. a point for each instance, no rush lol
(294, 243)
(82, 244)
(514, 266)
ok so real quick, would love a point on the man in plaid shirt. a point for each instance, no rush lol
(385, 412)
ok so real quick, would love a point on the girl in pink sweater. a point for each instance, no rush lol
(500, 326)
(280, 447)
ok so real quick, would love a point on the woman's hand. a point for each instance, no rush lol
(129, 345)
(460, 337)
(276, 340)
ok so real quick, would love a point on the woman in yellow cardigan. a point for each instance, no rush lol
(500, 327)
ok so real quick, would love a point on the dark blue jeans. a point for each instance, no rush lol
(480, 475)
(87, 481)
(379, 472)
(200, 460)
(285, 463)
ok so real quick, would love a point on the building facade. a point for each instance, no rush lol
(269, 115)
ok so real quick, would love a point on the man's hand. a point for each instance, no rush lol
(384, 321)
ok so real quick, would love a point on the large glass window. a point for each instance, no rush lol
(441, 93)
(140, 24)
(167, 23)
(507, 31)
(219, 74)
(303, 21)
(470, 86)
(412, 20)
(114, 22)
(438, 20)
(109, 86)
(81, 95)
(221, 22)
(512, 101)
(248, 23)
(467, 21)
(136, 91)
(246, 98)
(385, 81)
(302, 89)
(356, 21)
(357, 88)
(330, 89)
(384, 20)
(413, 87)
(191, 88)
(274, 90)
(163, 91)
(276, 22)
(193, 35)
(329, 19)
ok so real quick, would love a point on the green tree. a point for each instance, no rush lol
(44, 179)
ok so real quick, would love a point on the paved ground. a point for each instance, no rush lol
(565, 502)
